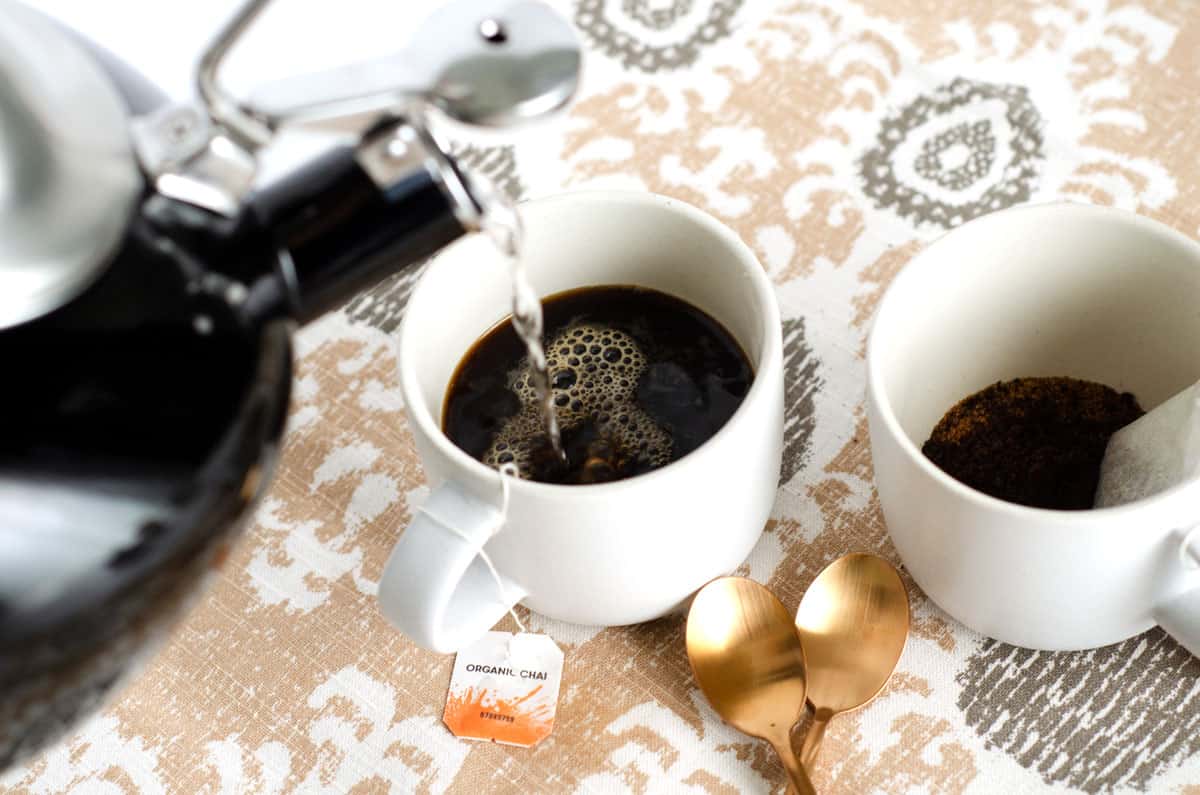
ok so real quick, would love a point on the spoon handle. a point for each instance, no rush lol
(795, 771)
(812, 740)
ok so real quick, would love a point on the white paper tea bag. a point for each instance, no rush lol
(1148, 456)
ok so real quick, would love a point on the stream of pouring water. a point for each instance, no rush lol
(502, 223)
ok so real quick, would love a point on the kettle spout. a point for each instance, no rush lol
(357, 215)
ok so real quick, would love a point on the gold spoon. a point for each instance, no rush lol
(853, 622)
(747, 658)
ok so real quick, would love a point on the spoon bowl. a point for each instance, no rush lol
(747, 658)
(853, 622)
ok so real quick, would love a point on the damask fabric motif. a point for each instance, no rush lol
(811, 127)
(959, 152)
(1146, 727)
(652, 35)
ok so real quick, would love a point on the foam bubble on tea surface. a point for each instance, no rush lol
(596, 371)
(1154, 453)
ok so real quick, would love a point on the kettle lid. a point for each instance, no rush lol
(69, 177)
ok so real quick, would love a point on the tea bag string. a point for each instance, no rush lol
(507, 471)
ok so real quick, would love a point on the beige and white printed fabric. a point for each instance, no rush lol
(837, 137)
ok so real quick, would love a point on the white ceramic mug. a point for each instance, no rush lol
(613, 553)
(1053, 290)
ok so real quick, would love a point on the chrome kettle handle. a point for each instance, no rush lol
(482, 62)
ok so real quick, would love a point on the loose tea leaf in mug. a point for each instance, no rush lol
(1033, 441)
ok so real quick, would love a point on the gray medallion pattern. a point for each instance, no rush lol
(612, 27)
(965, 149)
(976, 137)
(655, 17)
(1097, 720)
(800, 386)
(497, 163)
(382, 306)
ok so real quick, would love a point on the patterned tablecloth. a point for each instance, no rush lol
(837, 138)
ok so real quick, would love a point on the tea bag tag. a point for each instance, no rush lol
(1154, 453)
(504, 689)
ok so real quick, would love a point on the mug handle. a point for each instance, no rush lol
(436, 588)
(1179, 615)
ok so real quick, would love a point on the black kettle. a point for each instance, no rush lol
(148, 288)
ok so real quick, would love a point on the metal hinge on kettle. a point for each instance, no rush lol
(492, 63)
(79, 164)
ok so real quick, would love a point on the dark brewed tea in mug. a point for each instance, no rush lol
(639, 379)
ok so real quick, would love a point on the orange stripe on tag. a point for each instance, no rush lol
(482, 716)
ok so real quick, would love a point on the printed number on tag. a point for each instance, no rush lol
(505, 689)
